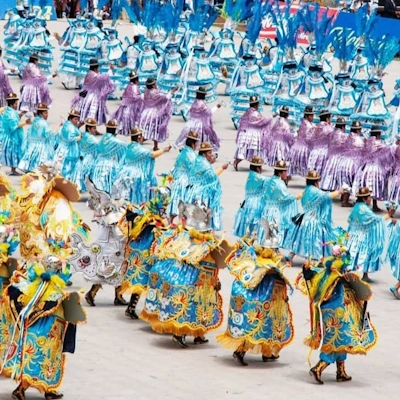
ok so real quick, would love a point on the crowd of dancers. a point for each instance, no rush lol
(158, 238)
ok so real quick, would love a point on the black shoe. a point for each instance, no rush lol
(130, 312)
(200, 340)
(69, 283)
(179, 340)
(268, 359)
(18, 394)
(53, 395)
(239, 357)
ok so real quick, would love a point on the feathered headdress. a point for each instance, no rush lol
(365, 23)
(203, 16)
(345, 47)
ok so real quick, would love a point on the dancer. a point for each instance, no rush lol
(137, 173)
(88, 146)
(376, 167)
(39, 141)
(280, 138)
(339, 296)
(251, 133)
(38, 325)
(185, 277)
(314, 227)
(259, 288)
(35, 88)
(366, 236)
(13, 134)
(300, 151)
(329, 178)
(130, 109)
(248, 217)
(320, 142)
(206, 187)
(91, 100)
(68, 147)
(200, 121)
(182, 174)
(279, 206)
(157, 111)
(149, 222)
(110, 154)
(392, 254)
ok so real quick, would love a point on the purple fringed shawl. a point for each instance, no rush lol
(93, 105)
(157, 111)
(201, 122)
(34, 89)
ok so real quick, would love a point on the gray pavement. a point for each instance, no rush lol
(117, 358)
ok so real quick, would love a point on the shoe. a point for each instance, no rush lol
(65, 85)
(53, 395)
(341, 375)
(129, 312)
(69, 283)
(179, 340)
(269, 359)
(367, 279)
(395, 292)
(89, 299)
(239, 357)
(18, 394)
(184, 115)
(200, 340)
(316, 371)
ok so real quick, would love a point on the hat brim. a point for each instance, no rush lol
(193, 137)
(363, 194)
(309, 113)
(313, 178)
(256, 164)
(205, 149)
(281, 168)
(139, 133)
(325, 113)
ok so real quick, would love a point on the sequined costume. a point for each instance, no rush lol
(339, 321)
(183, 298)
(259, 318)
(32, 351)
(88, 148)
(366, 239)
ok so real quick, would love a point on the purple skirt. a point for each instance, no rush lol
(299, 155)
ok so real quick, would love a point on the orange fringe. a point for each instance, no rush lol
(127, 288)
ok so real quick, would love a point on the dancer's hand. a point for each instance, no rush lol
(167, 149)
(28, 121)
(225, 166)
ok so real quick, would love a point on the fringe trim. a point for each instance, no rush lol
(247, 344)
(172, 327)
(126, 287)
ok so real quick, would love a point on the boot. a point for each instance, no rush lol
(268, 359)
(180, 341)
(91, 294)
(131, 310)
(119, 300)
(316, 371)
(341, 375)
(18, 393)
(239, 357)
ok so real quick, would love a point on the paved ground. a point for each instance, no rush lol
(117, 358)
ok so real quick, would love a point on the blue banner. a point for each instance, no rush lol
(384, 26)
(43, 8)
